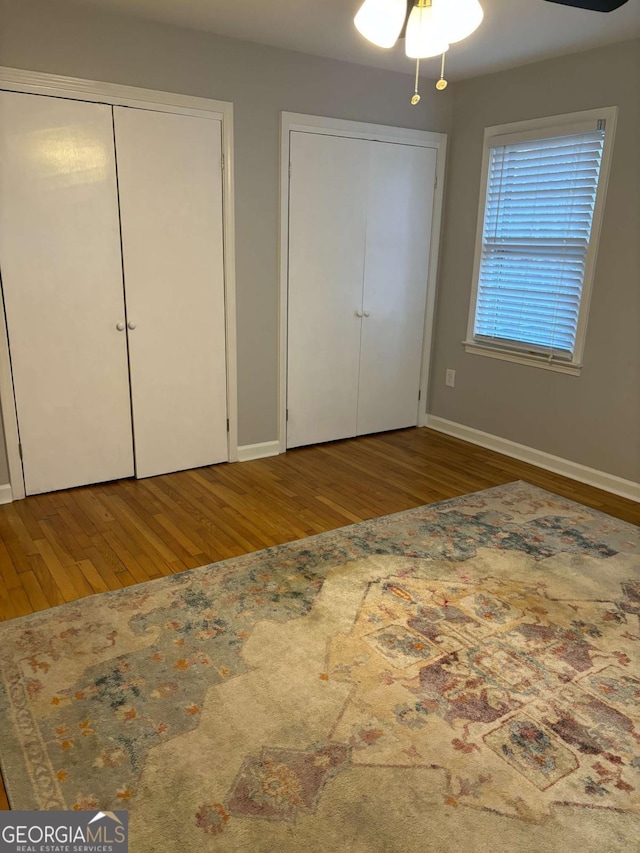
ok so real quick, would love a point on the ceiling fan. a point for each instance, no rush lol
(594, 5)
(428, 27)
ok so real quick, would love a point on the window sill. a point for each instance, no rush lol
(531, 359)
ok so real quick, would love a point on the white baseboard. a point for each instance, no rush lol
(258, 451)
(590, 476)
(6, 495)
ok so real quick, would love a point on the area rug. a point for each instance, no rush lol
(460, 677)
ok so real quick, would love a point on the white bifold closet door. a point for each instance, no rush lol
(327, 226)
(399, 213)
(170, 182)
(359, 243)
(62, 282)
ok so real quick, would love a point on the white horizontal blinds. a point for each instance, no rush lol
(539, 209)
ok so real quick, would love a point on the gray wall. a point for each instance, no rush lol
(64, 38)
(593, 419)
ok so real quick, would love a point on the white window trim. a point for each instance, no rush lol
(532, 128)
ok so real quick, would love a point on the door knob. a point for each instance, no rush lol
(131, 325)
(367, 314)
(120, 327)
(358, 313)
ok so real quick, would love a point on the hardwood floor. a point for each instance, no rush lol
(62, 546)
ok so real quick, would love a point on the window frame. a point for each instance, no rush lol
(540, 128)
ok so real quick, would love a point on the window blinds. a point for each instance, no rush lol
(539, 210)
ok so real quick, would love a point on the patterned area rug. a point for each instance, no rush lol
(463, 676)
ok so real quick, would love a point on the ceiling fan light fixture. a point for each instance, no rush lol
(428, 27)
(457, 19)
(380, 21)
(424, 38)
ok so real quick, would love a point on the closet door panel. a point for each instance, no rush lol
(170, 181)
(399, 212)
(327, 221)
(62, 282)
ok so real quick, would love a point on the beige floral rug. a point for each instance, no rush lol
(460, 677)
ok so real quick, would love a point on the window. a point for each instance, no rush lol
(541, 204)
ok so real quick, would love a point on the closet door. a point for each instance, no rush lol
(170, 182)
(399, 211)
(327, 223)
(62, 282)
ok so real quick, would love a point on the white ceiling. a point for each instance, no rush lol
(514, 32)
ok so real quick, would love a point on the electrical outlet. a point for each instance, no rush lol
(451, 378)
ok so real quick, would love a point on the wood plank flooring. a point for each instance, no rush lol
(62, 546)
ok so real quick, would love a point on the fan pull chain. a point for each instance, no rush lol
(416, 97)
(442, 83)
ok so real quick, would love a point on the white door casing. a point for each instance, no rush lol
(62, 283)
(387, 270)
(170, 182)
(94, 92)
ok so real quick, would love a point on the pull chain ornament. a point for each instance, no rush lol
(442, 84)
(416, 97)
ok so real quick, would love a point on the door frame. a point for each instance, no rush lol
(291, 122)
(112, 94)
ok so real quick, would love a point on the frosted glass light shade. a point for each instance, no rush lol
(424, 38)
(380, 21)
(457, 19)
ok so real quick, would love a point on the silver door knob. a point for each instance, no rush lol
(131, 325)
(367, 314)
(358, 313)
(120, 327)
